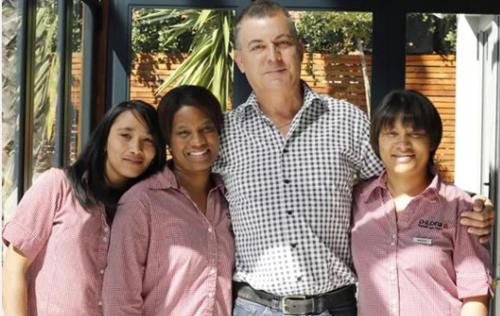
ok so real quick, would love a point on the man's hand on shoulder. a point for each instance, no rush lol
(480, 219)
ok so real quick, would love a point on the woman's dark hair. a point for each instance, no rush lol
(415, 110)
(187, 95)
(87, 173)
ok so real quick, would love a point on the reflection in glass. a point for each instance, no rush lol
(76, 82)
(10, 102)
(45, 87)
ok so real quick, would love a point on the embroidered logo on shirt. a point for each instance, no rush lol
(430, 224)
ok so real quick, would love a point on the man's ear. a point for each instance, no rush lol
(238, 61)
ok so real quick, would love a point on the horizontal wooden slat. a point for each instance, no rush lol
(340, 76)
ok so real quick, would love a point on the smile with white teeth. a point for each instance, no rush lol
(403, 157)
(198, 153)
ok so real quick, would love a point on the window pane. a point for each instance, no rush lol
(162, 39)
(45, 87)
(338, 53)
(76, 83)
(10, 104)
(430, 69)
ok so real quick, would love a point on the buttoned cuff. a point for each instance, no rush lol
(22, 239)
(474, 284)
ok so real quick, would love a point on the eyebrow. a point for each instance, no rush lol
(279, 37)
(127, 129)
(255, 41)
(203, 124)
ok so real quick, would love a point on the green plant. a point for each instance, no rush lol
(431, 33)
(210, 62)
(335, 32)
(150, 32)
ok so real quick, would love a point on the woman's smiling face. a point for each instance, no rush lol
(194, 141)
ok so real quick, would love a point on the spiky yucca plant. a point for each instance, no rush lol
(210, 60)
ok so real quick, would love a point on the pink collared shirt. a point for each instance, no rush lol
(422, 263)
(165, 256)
(68, 244)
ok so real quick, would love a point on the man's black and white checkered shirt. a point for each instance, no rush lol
(290, 197)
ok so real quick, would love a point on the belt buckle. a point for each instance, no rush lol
(288, 307)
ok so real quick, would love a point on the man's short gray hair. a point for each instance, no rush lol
(262, 9)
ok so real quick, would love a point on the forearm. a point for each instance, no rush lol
(475, 306)
(15, 288)
(15, 298)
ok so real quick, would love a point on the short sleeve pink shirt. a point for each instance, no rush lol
(68, 244)
(422, 263)
(165, 256)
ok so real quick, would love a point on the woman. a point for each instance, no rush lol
(172, 250)
(410, 252)
(58, 240)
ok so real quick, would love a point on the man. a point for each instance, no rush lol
(288, 158)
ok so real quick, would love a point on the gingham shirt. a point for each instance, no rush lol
(165, 256)
(68, 244)
(422, 263)
(290, 197)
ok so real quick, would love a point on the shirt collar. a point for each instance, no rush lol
(379, 185)
(252, 103)
(166, 179)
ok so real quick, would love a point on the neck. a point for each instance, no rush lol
(407, 185)
(194, 183)
(281, 108)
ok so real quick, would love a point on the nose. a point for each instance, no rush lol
(274, 53)
(198, 139)
(136, 146)
(403, 140)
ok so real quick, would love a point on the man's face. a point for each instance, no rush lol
(269, 54)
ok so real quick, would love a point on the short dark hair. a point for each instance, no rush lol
(87, 173)
(188, 95)
(415, 109)
(261, 9)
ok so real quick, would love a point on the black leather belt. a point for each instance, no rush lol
(297, 305)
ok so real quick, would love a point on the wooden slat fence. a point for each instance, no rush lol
(340, 77)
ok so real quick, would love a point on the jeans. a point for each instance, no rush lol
(244, 307)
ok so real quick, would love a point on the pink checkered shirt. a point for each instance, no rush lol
(166, 257)
(68, 243)
(424, 262)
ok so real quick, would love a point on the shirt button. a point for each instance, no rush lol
(210, 229)
(211, 294)
(99, 303)
(394, 236)
(101, 271)
(393, 243)
(106, 229)
(212, 271)
(105, 239)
